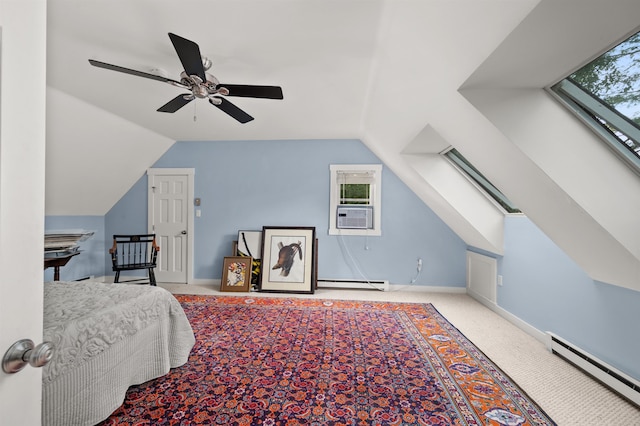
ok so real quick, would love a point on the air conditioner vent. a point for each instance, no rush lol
(355, 217)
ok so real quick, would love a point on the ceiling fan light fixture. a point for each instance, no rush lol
(200, 91)
(211, 80)
(206, 63)
(201, 84)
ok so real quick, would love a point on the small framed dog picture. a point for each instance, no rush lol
(236, 274)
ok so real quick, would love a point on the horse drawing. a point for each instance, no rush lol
(286, 255)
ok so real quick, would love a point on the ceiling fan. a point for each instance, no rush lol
(200, 83)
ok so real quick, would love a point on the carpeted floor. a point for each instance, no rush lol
(288, 361)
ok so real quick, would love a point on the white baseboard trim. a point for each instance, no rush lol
(379, 285)
(521, 324)
(205, 281)
(482, 299)
(427, 288)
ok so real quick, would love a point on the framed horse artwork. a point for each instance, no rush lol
(288, 259)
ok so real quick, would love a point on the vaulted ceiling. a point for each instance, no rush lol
(407, 77)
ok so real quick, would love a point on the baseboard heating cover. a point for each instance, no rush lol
(616, 380)
(354, 284)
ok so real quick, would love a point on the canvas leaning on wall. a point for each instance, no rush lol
(249, 244)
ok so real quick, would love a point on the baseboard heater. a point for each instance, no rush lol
(609, 376)
(354, 284)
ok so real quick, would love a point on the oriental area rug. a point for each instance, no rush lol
(294, 361)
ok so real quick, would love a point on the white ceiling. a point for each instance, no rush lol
(389, 72)
(319, 52)
(340, 63)
(376, 70)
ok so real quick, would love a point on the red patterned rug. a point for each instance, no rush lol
(290, 361)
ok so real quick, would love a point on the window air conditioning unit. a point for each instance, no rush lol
(355, 217)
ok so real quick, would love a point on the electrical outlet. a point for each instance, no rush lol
(500, 280)
(419, 264)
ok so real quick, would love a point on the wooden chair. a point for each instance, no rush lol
(134, 252)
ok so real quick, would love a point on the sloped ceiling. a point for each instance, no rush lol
(405, 76)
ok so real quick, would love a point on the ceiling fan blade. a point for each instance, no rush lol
(232, 110)
(176, 103)
(189, 54)
(248, 91)
(130, 71)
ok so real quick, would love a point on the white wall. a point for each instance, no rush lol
(578, 192)
(554, 169)
(493, 109)
(93, 156)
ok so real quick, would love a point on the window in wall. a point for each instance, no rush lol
(472, 173)
(355, 204)
(605, 95)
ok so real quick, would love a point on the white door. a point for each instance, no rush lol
(22, 177)
(170, 213)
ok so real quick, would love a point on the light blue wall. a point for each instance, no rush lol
(545, 288)
(244, 185)
(91, 261)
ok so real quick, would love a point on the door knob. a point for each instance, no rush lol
(24, 352)
(184, 232)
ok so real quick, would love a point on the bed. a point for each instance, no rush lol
(107, 337)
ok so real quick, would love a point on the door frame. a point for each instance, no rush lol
(190, 173)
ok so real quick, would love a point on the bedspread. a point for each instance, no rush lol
(107, 337)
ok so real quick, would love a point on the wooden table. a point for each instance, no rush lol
(57, 262)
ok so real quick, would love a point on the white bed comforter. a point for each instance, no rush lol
(107, 337)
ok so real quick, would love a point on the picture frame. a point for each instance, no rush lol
(249, 243)
(288, 259)
(236, 274)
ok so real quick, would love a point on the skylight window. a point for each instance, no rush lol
(605, 94)
(472, 173)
